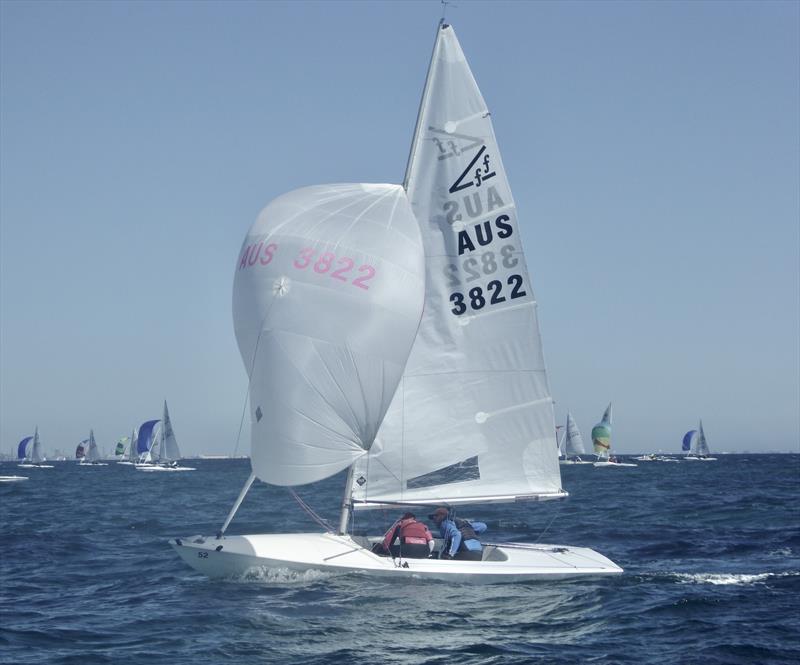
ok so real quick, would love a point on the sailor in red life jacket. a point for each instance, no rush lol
(406, 538)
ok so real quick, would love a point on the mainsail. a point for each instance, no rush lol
(22, 448)
(472, 419)
(92, 454)
(327, 298)
(134, 446)
(168, 450)
(35, 452)
(701, 443)
(601, 435)
(573, 444)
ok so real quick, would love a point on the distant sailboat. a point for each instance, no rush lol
(30, 451)
(601, 440)
(168, 453)
(688, 443)
(119, 451)
(573, 444)
(129, 455)
(697, 441)
(92, 457)
(144, 443)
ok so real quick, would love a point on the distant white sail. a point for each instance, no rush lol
(573, 444)
(168, 448)
(36, 456)
(327, 299)
(473, 418)
(92, 454)
(700, 441)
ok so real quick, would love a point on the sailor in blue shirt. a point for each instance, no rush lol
(460, 536)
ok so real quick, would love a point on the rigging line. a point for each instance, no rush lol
(310, 511)
(549, 524)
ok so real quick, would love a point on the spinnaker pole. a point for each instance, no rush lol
(237, 504)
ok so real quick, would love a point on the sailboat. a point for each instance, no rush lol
(573, 443)
(119, 450)
(168, 452)
(29, 451)
(144, 443)
(133, 456)
(699, 445)
(92, 456)
(601, 440)
(392, 331)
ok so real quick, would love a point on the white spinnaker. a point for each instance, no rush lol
(472, 419)
(168, 450)
(574, 441)
(327, 299)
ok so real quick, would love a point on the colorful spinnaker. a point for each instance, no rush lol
(601, 435)
(688, 439)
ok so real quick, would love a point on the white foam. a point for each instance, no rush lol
(283, 576)
(727, 578)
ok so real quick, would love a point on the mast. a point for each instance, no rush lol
(347, 500)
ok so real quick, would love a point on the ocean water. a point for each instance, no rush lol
(711, 553)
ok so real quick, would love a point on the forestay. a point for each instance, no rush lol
(472, 419)
(327, 298)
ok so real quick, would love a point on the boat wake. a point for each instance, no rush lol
(721, 579)
(283, 576)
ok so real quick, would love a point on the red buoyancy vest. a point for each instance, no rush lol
(414, 533)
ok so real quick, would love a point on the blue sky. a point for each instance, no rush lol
(653, 150)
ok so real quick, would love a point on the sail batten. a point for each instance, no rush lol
(475, 385)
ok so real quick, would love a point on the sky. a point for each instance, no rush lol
(653, 150)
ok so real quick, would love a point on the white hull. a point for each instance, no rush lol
(570, 462)
(602, 464)
(235, 556)
(12, 479)
(35, 466)
(92, 464)
(149, 467)
(127, 463)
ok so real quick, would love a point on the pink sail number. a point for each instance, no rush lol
(339, 268)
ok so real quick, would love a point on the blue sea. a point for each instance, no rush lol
(711, 553)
